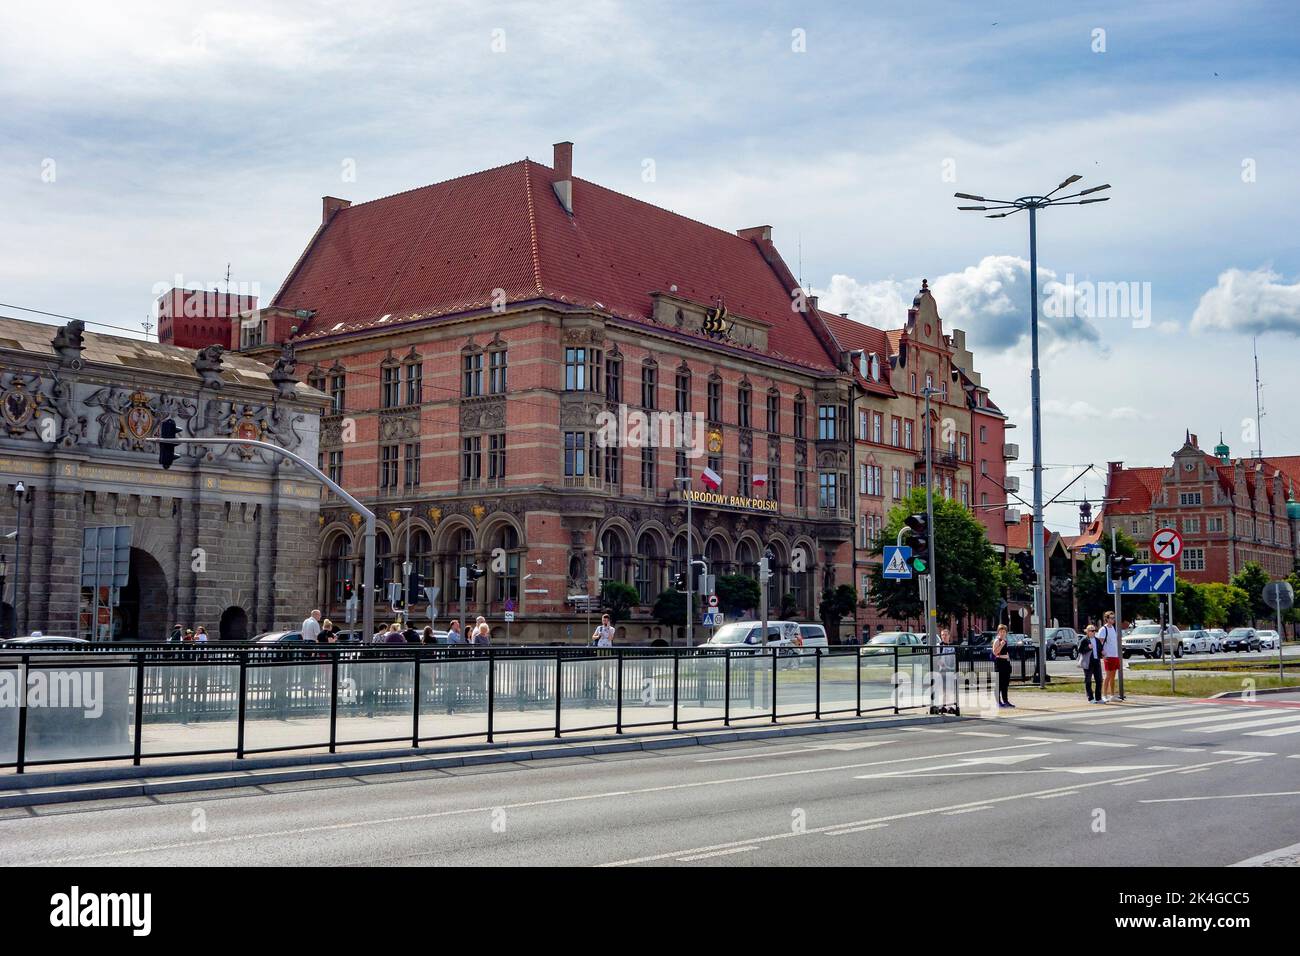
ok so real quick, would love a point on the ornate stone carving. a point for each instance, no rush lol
(800, 454)
(283, 373)
(208, 364)
(398, 427)
(68, 343)
(580, 335)
(21, 400)
(485, 415)
(580, 413)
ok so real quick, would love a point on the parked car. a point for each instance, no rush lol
(1242, 639)
(740, 635)
(886, 641)
(1217, 638)
(1061, 641)
(1268, 640)
(42, 640)
(278, 637)
(1021, 647)
(813, 635)
(1146, 639)
(1196, 641)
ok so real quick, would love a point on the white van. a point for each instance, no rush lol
(746, 633)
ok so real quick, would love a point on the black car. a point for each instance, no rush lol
(1021, 647)
(1061, 642)
(1242, 639)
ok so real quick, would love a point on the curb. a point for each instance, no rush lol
(106, 783)
(1235, 694)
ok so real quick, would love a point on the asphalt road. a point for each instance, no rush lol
(1133, 785)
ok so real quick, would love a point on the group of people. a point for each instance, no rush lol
(324, 631)
(190, 635)
(1099, 658)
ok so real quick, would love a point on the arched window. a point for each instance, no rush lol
(422, 557)
(338, 569)
(505, 584)
(715, 554)
(747, 559)
(383, 564)
(648, 563)
(613, 552)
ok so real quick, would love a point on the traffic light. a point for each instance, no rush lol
(1025, 561)
(348, 592)
(415, 585)
(1121, 567)
(919, 525)
(474, 572)
(679, 581)
(167, 449)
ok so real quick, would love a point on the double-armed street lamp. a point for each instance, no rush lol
(1000, 209)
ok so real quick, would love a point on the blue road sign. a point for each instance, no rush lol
(712, 619)
(898, 562)
(1148, 579)
(1089, 548)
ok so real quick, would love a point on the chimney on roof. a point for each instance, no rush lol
(812, 304)
(329, 206)
(753, 233)
(563, 165)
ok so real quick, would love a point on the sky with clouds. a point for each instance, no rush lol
(142, 141)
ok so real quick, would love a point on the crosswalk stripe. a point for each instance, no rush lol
(1110, 717)
(1186, 721)
(1238, 725)
(1103, 713)
(1274, 732)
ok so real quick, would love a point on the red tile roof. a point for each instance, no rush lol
(443, 249)
(1129, 490)
(1018, 535)
(851, 336)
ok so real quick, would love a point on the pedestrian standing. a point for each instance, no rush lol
(427, 637)
(603, 635)
(454, 636)
(411, 635)
(394, 635)
(1110, 662)
(1090, 664)
(481, 636)
(201, 634)
(1002, 664)
(311, 626)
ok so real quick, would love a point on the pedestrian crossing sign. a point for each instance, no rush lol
(898, 565)
(712, 618)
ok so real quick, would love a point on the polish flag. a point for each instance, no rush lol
(760, 481)
(712, 480)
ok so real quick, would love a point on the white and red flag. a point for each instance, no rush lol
(760, 481)
(712, 480)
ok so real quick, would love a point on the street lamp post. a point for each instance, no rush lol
(931, 589)
(406, 567)
(1000, 209)
(21, 490)
(690, 563)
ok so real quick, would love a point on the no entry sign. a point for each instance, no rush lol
(1166, 545)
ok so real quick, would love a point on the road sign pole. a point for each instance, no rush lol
(1281, 636)
(690, 573)
(1119, 620)
(931, 615)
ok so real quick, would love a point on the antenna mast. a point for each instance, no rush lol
(1259, 414)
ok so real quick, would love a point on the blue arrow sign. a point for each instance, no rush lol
(1148, 579)
(898, 562)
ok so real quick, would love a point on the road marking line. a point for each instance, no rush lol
(774, 753)
(1131, 712)
(1046, 740)
(785, 835)
(1053, 796)
(1102, 743)
(869, 826)
(1225, 796)
(1285, 719)
(979, 733)
(1125, 783)
(1251, 760)
(523, 805)
(704, 856)
(1243, 753)
(953, 813)
(1188, 721)
(1274, 732)
(818, 748)
(1263, 858)
(1181, 750)
(1195, 770)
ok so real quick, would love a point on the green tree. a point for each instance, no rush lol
(1252, 579)
(670, 608)
(618, 598)
(1190, 604)
(837, 604)
(1226, 605)
(737, 593)
(1090, 583)
(967, 566)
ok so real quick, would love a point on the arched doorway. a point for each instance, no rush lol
(234, 624)
(141, 614)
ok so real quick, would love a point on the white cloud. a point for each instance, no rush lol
(1251, 302)
(990, 301)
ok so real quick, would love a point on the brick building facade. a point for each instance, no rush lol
(474, 335)
(1230, 511)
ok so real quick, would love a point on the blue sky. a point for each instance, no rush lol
(151, 140)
